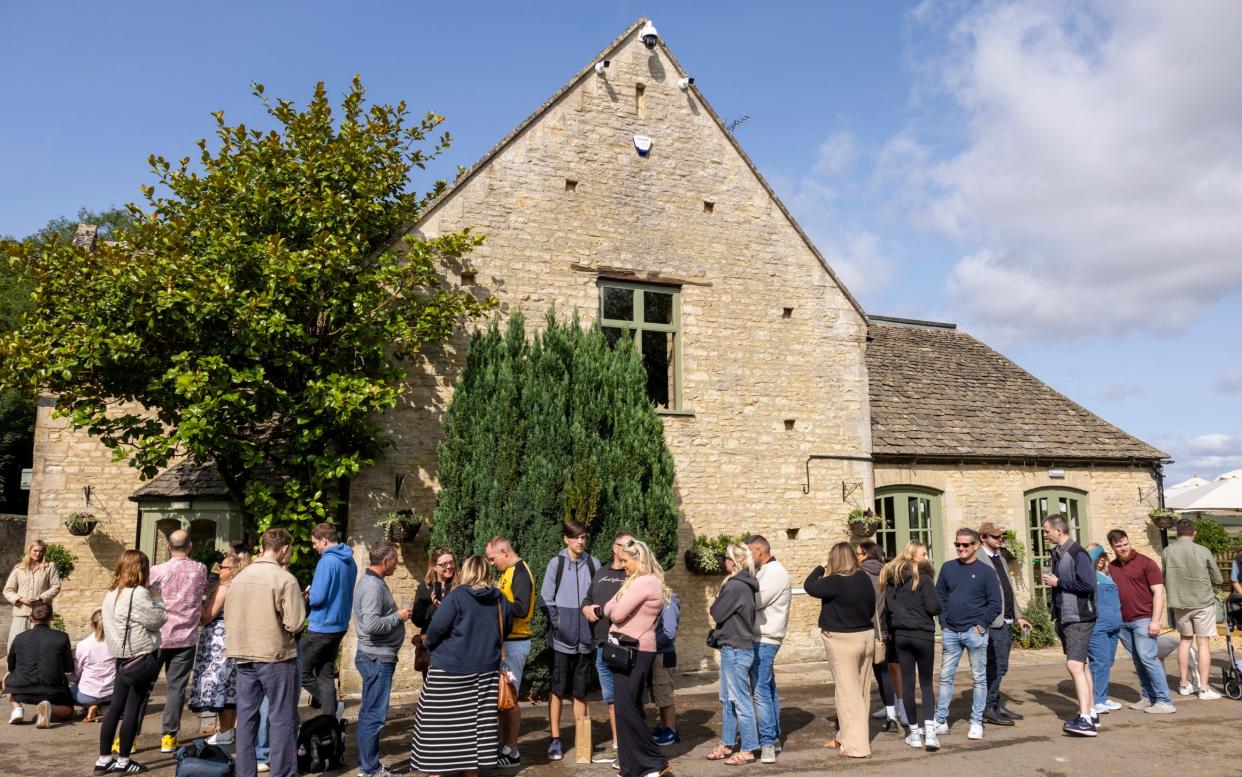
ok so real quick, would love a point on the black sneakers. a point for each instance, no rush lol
(1080, 727)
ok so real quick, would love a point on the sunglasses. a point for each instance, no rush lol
(963, 544)
(993, 536)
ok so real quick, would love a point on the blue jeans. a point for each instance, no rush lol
(767, 700)
(517, 652)
(606, 684)
(376, 687)
(735, 697)
(1153, 684)
(1100, 654)
(976, 645)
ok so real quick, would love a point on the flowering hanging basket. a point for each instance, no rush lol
(1163, 518)
(401, 526)
(862, 523)
(81, 524)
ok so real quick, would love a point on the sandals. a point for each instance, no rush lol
(720, 753)
(833, 744)
(741, 758)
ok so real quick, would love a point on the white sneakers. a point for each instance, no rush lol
(1186, 689)
(930, 729)
(1207, 694)
(1112, 705)
(222, 737)
(1141, 704)
(18, 715)
(976, 731)
(1159, 708)
(43, 718)
(1101, 709)
(915, 739)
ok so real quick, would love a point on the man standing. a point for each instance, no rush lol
(262, 612)
(1140, 586)
(771, 621)
(1072, 580)
(604, 585)
(565, 585)
(330, 598)
(33, 580)
(1000, 632)
(381, 630)
(181, 582)
(518, 586)
(1192, 576)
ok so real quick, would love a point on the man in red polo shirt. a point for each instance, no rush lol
(1140, 585)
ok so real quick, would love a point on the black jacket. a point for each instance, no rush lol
(38, 662)
(604, 586)
(734, 611)
(911, 613)
(424, 608)
(848, 600)
(465, 633)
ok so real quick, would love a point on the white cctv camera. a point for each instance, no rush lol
(685, 83)
(649, 36)
(601, 66)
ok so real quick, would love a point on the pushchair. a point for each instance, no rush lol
(1233, 621)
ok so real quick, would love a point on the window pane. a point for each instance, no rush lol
(612, 334)
(657, 307)
(658, 360)
(618, 303)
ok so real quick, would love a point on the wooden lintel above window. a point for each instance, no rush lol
(635, 276)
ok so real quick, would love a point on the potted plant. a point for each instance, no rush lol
(399, 525)
(81, 524)
(706, 556)
(1163, 517)
(862, 523)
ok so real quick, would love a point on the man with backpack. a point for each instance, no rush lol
(604, 585)
(565, 584)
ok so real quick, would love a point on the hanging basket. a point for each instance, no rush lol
(81, 524)
(697, 565)
(863, 529)
(1163, 519)
(402, 531)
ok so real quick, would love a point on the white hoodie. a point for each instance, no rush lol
(772, 603)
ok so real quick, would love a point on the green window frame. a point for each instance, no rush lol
(650, 315)
(1040, 503)
(908, 513)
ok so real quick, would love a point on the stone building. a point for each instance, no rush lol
(625, 198)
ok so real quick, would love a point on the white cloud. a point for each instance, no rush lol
(1206, 455)
(1100, 178)
(1119, 392)
(836, 154)
(1230, 382)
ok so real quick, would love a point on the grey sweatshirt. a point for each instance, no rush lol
(734, 611)
(380, 630)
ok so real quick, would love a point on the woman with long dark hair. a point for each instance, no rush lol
(911, 605)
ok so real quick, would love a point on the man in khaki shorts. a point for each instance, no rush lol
(662, 672)
(1192, 578)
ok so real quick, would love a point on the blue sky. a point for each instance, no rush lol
(1063, 179)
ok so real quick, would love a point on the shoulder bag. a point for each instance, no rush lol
(880, 645)
(506, 696)
(620, 652)
(139, 670)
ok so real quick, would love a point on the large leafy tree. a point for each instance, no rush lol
(540, 432)
(259, 313)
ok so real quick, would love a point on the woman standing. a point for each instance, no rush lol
(909, 589)
(456, 725)
(215, 676)
(132, 619)
(734, 614)
(1102, 649)
(34, 579)
(436, 584)
(887, 673)
(94, 668)
(847, 623)
(634, 612)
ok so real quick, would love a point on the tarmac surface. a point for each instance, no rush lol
(1198, 740)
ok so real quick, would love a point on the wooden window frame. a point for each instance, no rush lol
(1079, 530)
(637, 326)
(900, 495)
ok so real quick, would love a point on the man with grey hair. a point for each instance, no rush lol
(380, 633)
(180, 582)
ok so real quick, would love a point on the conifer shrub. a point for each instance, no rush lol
(546, 430)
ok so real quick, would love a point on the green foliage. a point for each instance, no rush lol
(259, 307)
(57, 622)
(17, 408)
(1015, 546)
(1212, 536)
(706, 555)
(208, 555)
(1043, 631)
(60, 557)
(542, 431)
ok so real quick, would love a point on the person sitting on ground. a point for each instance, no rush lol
(39, 662)
(1102, 649)
(94, 670)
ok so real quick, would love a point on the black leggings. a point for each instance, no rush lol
(126, 708)
(920, 653)
(884, 681)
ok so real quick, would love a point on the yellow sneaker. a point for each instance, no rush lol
(116, 744)
(168, 743)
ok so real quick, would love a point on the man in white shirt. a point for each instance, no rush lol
(771, 621)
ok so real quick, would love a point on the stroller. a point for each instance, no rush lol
(1231, 675)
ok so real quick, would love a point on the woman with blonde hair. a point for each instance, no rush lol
(465, 637)
(94, 668)
(734, 614)
(911, 605)
(634, 612)
(132, 618)
(215, 676)
(847, 625)
(34, 579)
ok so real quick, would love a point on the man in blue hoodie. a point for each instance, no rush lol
(330, 600)
(565, 586)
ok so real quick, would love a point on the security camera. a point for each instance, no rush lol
(649, 36)
(601, 66)
(685, 83)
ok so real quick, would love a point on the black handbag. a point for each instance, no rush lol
(712, 641)
(142, 669)
(620, 652)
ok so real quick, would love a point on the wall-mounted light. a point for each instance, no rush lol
(684, 84)
(601, 66)
(642, 144)
(1056, 474)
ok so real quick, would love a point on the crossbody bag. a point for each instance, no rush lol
(142, 669)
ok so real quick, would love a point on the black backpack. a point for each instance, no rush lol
(321, 744)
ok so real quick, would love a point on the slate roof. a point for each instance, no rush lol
(937, 392)
(185, 480)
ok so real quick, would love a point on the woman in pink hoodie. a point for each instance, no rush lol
(634, 612)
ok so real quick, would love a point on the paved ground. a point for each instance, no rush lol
(1198, 740)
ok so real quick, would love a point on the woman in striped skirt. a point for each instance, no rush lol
(456, 728)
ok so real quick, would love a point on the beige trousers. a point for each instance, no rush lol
(849, 658)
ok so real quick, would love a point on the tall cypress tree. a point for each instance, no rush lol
(542, 432)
